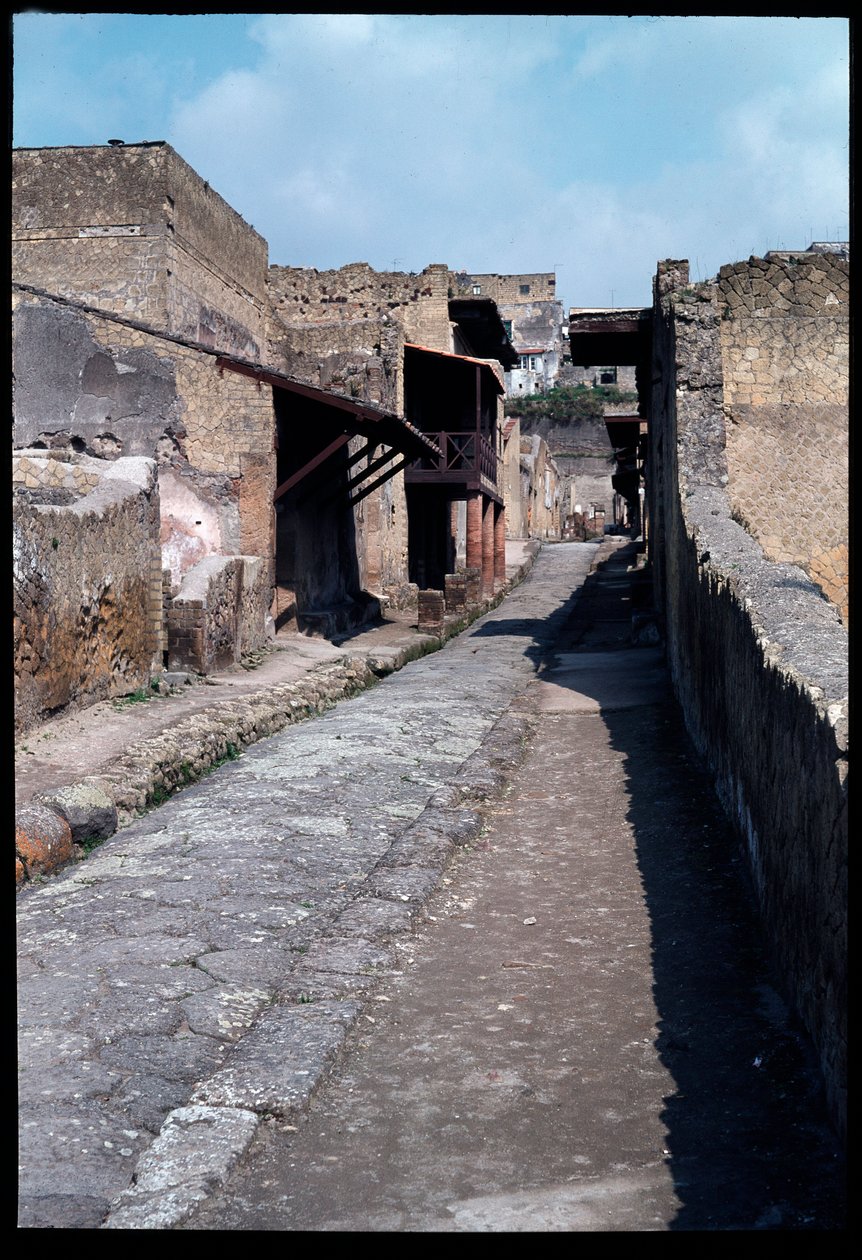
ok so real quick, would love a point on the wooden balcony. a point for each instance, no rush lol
(467, 458)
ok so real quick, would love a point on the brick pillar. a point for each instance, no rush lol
(455, 587)
(474, 529)
(431, 612)
(473, 586)
(499, 545)
(488, 548)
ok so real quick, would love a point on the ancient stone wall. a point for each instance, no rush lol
(302, 297)
(540, 286)
(218, 614)
(785, 358)
(511, 477)
(540, 489)
(108, 387)
(134, 230)
(86, 580)
(759, 663)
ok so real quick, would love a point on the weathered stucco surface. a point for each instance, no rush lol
(86, 581)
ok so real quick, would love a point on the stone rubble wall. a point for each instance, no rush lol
(785, 357)
(218, 615)
(302, 297)
(86, 581)
(759, 663)
(540, 489)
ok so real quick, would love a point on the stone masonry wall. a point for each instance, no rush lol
(504, 289)
(785, 356)
(111, 388)
(218, 614)
(540, 489)
(303, 298)
(86, 581)
(134, 230)
(759, 663)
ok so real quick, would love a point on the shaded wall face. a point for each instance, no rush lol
(316, 555)
(758, 661)
(785, 362)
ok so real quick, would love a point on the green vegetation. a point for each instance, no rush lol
(89, 843)
(141, 696)
(565, 405)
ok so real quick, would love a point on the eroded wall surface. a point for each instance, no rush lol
(345, 330)
(110, 389)
(759, 663)
(86, 581)
(785, 361)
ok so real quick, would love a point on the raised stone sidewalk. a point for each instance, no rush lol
(84, 775)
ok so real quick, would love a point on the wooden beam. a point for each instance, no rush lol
(379, 482)
(360, 477)
(311, 465)
(308, 492)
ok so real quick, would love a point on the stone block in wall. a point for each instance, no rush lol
(218, 614)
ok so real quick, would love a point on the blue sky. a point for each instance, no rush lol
(592, 146)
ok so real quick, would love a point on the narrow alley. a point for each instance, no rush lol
(471, 952)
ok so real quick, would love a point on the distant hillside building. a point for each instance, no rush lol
(533, 319)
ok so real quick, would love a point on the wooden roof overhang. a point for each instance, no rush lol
(480, 322)
(613, 336)
(379, 427)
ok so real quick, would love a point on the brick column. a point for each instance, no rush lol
(499, 545)
(488, 548)
(474, 529)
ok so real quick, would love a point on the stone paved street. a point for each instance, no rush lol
(470, 952)
(235, 929)
(585, 1034)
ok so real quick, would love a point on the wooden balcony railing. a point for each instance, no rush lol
(468, 452)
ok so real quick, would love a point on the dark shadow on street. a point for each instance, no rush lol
(748, 1140)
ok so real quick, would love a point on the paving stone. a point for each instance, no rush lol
(296, 828)
(194, 1152)
(278, 1065)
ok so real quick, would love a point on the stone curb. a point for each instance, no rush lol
(146, 774)
(278, 1066)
